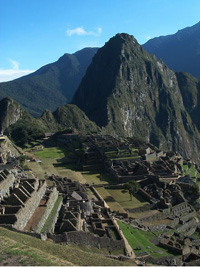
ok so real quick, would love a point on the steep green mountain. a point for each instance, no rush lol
(22, 128)
(132, 93)
(52, 85)
(180, 51)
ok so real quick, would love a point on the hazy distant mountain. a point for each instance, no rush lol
(52, 85)
(180, 51)
(132, 93)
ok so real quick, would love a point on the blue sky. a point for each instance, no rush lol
(37, 32)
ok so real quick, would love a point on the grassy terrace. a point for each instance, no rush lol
(113, 204)
(123, 198)
(48, 224)
(51, 152)
(123, 154)
(139, 238)
(119, 200)
(24, 250)
(49, 165)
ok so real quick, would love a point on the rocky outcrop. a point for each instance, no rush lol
(10, 112)
(8, 149)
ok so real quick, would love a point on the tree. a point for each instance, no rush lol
(132, 187)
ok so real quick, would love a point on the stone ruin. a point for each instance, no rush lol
(26, 203)
(160, 176)
(187, 247)
(125, 162)
(21, 197)
(83, 220)
(124, 170)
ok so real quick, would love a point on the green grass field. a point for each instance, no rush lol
(51, 152)
(139, 238)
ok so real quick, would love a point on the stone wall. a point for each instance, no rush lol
(187, 226)
(88, 239)
(155, 228)
(6, 183)
(187, 217)
(98, 196)
(143, 208)
(56, 217)
(180, 209)
(154, 217)
(170, 247)
(49, 205)
(31, 204)
(145, 194)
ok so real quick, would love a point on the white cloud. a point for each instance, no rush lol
(15, 64)
(81, 32)
(93, 43)
(14, 73)
(148, 37)
(11, 74)
(99, 30)
(77, 31)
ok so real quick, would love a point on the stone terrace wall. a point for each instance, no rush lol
(6, 183)
(146, 207)
(88, 239)
(154, 217)
(50, 204)
(98, 196)
(145, 194)
(31, 204)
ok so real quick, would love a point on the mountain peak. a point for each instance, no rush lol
(131, 93)
(122, 38)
